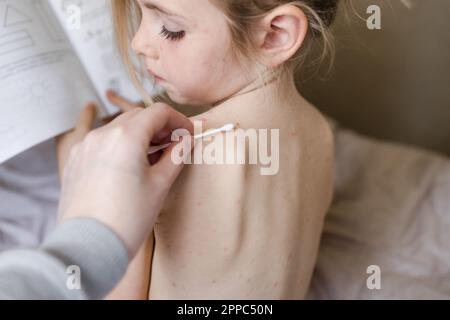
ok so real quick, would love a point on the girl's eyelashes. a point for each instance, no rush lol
(172, 36)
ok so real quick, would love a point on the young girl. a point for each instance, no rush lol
(228, 232)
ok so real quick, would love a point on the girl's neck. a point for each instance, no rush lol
(272, 94)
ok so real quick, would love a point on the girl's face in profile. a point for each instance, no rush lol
(186, 45)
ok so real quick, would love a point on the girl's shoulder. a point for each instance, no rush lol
(300, 127)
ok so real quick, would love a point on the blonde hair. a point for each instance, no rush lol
(243, 17)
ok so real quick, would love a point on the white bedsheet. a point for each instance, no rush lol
(391, 209)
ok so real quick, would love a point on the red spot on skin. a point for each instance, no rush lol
(199, 204)
(174, 284)
(275, 284)
(294, 134)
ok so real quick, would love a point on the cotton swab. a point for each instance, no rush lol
(226, 128)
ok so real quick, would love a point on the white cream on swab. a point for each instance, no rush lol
(226, 128)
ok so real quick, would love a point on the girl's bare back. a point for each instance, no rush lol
(227, 232)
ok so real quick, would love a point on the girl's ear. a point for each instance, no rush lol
(281, 35)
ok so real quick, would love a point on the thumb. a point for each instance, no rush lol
(66, 142)
(86, 120)
(173, 160)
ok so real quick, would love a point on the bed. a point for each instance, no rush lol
(392, 210)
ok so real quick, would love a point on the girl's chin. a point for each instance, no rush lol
(182, 99)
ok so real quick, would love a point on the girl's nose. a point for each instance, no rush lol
(142, 44)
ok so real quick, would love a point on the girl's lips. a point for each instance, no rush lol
(155, 75)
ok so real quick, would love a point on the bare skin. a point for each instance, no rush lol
(226, 232)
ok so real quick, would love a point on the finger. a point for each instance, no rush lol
(85, 122)
(162, 137)
(87, 119)
(120, 102)
(169, 168)
(149, 122)
(154, 157)
(124, 117)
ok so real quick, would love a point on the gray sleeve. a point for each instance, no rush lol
(85, 245)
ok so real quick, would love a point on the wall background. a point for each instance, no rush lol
(392, 83)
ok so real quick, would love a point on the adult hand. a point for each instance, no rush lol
(66, 141)
(108, 175)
